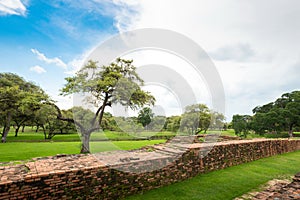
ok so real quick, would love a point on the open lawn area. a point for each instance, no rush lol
(24, 151)
(230, 182)
(30, 144)
(31, 136)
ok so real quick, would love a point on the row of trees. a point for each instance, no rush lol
(274, 117)
(197, 118)
(24, 103)
(19, 100)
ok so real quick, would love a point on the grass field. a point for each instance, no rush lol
(230, 182)
(23, 151)
(223, 184)
(31, 136)
(31, 144)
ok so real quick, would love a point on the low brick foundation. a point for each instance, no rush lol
(276, 190)
(112, 175)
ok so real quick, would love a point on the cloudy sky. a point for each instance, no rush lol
(253, 44)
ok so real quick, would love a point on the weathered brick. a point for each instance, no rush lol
(85, 177)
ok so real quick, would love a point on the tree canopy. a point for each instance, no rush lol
(18, 99)
(198, 118)
(115, 83)
(145, 116)
(241, 124)
(283, 114)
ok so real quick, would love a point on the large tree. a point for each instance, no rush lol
(18, 97)
(282, 114)
(157, 123)
(172, 123)
(117, 82)
(196, 118)
(217, 121)
(289, 108)
(241, 124)
(46, 118)
(145, 116)
(109, 122)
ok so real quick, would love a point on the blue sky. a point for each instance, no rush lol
(253, 44)
(39, 40)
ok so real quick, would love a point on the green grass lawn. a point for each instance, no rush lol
(12, 151)
(230, 182)
(32, 144)
(31, 136)
(228, 132)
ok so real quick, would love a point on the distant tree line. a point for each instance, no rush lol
(197, 118)
(275, 117)
(23, 103)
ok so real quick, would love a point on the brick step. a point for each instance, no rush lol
(183, 139)
(170, 150)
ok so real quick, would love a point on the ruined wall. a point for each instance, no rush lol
(90, 177)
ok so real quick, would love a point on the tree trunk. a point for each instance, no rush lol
(102, 109)
(85, 140)
(7, 127)
(4, 127)
(86, 134)
(23, 128)
(44, 131)
(17, 131)
(291, 133)
(37, 128)
(291, 130)
(50, 136)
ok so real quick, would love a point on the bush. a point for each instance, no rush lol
(276, 135)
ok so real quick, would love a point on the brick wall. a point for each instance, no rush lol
(93, 177)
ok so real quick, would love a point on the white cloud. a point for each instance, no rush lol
(74, 65)
(63, 102)
(122, 11)
(12, 7)
(37, 69)
(170, 77)
(256, 53)
(253, 44)
(77, 63)
(239, 52)
(126, 13)
(74, 24)
(55, 60)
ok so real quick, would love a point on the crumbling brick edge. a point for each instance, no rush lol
(86, 177)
